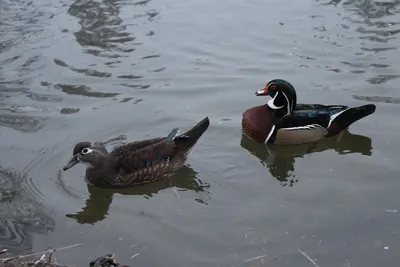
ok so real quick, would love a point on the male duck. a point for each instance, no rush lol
(138, 162)
(284, 122)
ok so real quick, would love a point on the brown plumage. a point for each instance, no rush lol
(138, 162)
(257, 122)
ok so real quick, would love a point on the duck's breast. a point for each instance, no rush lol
(257, 123)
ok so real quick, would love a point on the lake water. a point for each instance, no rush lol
(82, 70)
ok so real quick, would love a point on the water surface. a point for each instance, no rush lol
(121, 70)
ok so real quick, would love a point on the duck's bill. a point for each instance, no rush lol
(71, 163)
(262, 91)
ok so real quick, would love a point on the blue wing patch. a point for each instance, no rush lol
(160, 159)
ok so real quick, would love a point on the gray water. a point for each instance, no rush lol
(116, 71)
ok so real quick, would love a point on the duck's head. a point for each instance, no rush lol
(283, 95)
(92, 154)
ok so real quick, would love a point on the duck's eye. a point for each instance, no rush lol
(86, 151)
(272, 87)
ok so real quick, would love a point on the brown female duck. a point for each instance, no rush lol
(138, 162)
(284, 122)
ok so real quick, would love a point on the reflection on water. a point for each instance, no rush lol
(100, 199)
(371, 28)
(104, 34)
(378, 99)
(102, 30)
(280, 160)
(21, 213)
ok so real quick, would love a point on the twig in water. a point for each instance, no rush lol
(256, 258)
(308, 257)
(37, 253)
(134, 255)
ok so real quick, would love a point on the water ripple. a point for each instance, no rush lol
(22, 213)
(101, 27)
(82, 90)
(370, 28)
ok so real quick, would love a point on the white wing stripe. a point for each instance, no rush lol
(306, 127)
(334, 116)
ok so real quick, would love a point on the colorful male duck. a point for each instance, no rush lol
(284, 122)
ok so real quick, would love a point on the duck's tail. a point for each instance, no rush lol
(188, 139)
(345, 118)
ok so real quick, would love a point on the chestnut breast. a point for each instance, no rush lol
(257, 123)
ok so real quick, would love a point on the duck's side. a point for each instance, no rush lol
(147, 161)
(335, 118)
(307, 123)
(283, 121)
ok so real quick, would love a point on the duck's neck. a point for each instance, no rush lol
(103, 174)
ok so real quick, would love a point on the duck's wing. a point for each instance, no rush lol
(160, 153)
(186, 140)
(157, 160)
(319, 107)
(311, 122)
(133, 146)
(336, 118)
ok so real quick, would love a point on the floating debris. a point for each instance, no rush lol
(45, 260)
(308, 257)
(133, 256)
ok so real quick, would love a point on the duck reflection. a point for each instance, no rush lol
(100, 199)
(280, 160)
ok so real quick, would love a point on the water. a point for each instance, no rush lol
(72, 71)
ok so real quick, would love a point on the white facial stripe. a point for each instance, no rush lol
(271, 104)
(288, 104)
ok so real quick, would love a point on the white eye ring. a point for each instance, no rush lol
(86, 151)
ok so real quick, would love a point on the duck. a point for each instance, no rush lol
(138, 162)
(282, 121)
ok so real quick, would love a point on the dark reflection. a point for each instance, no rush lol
(102, 29)
(82, 90)
(101, 26)
(104, 33)
(100, 199)
(367, 9)
(21, 123)
(280, 160)
(378, 99)
(22, 214)
(377, 25)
